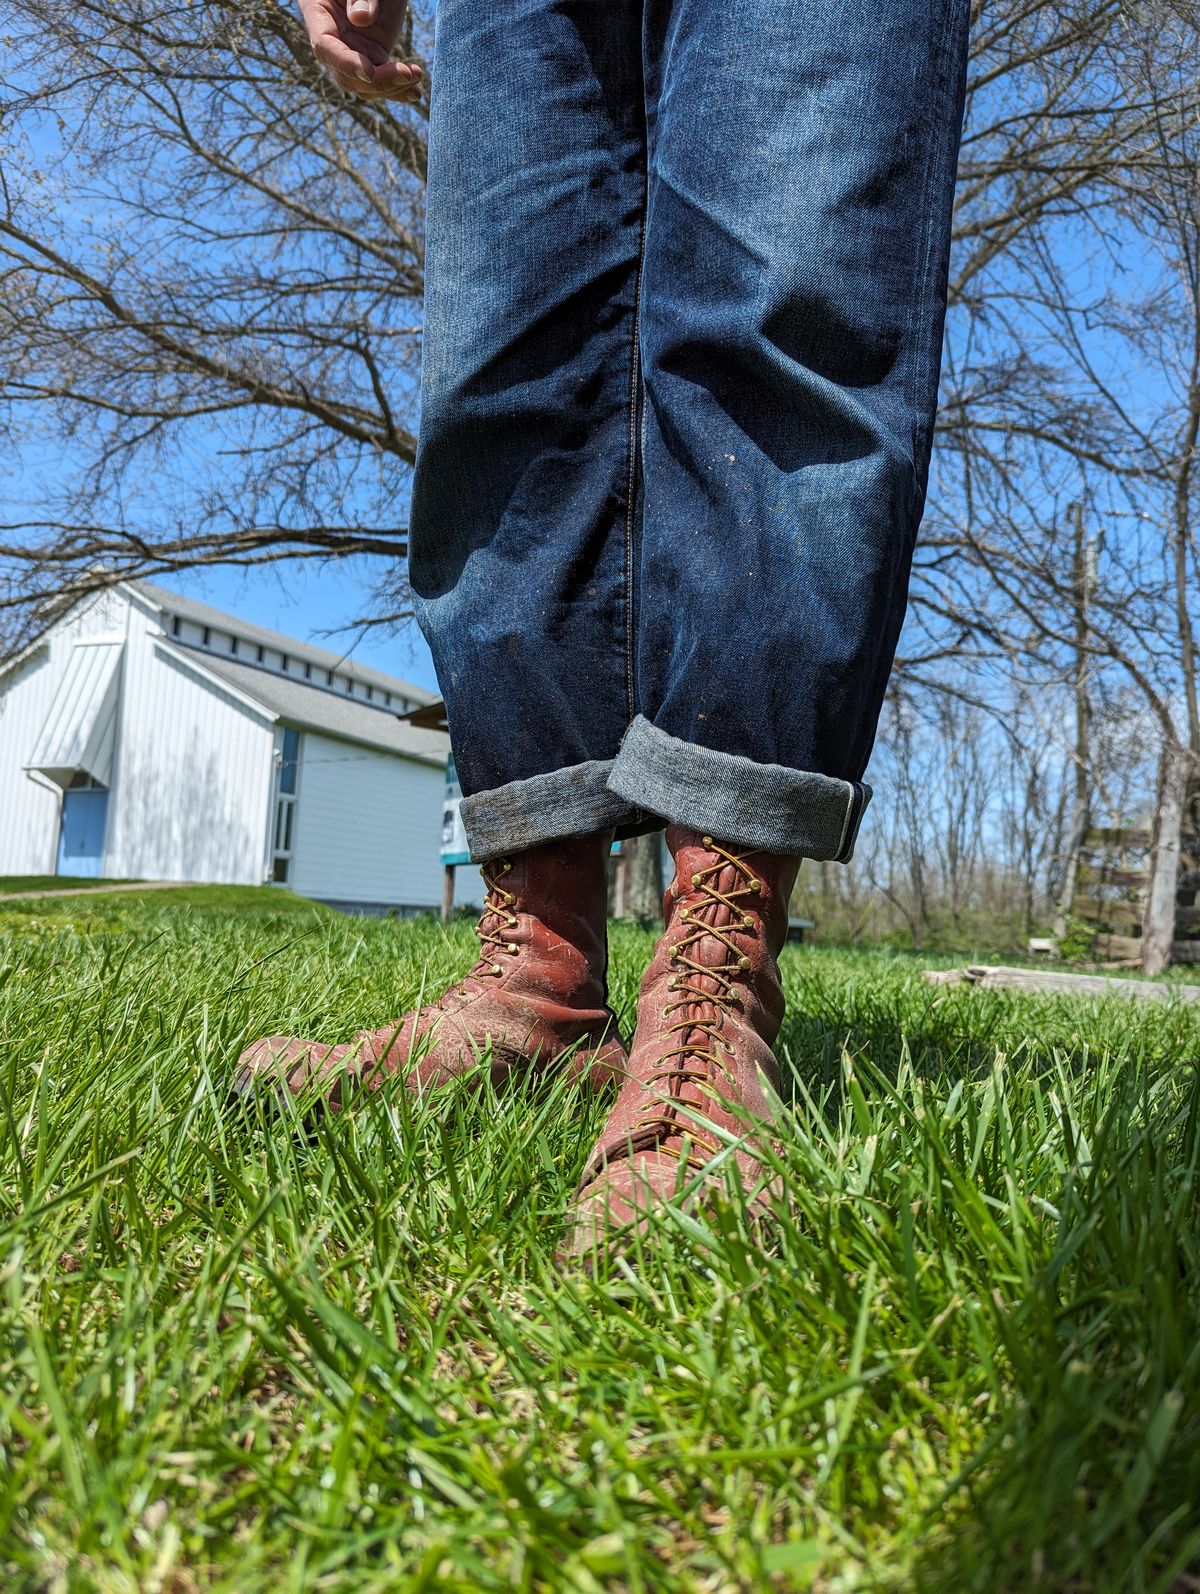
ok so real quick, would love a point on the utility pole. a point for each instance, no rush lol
(1083, 580)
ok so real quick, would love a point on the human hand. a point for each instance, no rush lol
(354, 40)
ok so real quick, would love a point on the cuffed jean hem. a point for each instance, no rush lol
(735, 799)
(575, 801)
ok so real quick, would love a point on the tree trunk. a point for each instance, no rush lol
(644, 877)
(1158, 923)
(1082, 583)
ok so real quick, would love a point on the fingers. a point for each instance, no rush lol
(393, 81)
(368, 72)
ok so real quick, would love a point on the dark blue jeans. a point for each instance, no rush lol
(686, 283)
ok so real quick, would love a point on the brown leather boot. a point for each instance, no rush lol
(710, 1008)
(537, 990)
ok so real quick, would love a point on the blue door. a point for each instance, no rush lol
(81, 840)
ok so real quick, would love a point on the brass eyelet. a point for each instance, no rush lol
(513, 947)
(496, 969)
(743, 963)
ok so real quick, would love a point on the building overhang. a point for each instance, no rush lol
(79, 732)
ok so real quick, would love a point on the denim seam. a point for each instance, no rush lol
(924, 360)
(631, 483)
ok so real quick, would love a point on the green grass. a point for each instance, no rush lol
(131, 911)
(237, 1357)
(13, 884)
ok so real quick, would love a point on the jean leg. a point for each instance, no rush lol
(523, 496)
(801, 167)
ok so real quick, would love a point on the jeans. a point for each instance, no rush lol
(686, 280)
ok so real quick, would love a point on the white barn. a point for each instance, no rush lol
(147, 736)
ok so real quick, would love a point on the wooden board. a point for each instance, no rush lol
(1115, 836)
(1117, 948)
(1096, 911)
(1104, 874)
(1047, 982)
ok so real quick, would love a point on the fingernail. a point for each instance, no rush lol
(361, 75)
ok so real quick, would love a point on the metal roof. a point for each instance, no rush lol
(201, 614)
(430, 716)
(315, 708)
(80, 728)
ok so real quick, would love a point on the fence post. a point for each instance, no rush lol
(1158, 922)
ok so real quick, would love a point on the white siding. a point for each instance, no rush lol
(193, 773)
(81, 726)
(29, 808)
(192, 781)
(368, 828)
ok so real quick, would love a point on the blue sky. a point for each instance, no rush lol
(312, 602)
(318, 601)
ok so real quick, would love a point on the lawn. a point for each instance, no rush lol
(238, 1357)
(11, 884)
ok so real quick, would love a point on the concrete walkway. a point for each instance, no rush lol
(97, 891)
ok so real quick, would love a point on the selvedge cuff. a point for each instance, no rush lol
(528, 813)
(736, 799)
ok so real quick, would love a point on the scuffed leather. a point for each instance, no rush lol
(547, 997)
(635, 1165)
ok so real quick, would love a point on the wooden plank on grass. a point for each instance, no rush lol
(1049, 982)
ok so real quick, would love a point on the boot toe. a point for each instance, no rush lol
(281, 1066)
(614, 1210)
(601, 1066)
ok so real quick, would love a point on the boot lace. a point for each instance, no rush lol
(690, 1062)
(497, 918)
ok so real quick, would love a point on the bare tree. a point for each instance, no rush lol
(1034, 783)
(212, 264)
(210, 333)
(1062, 387)
(898, 861)
(962, 782)
(210, 320)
